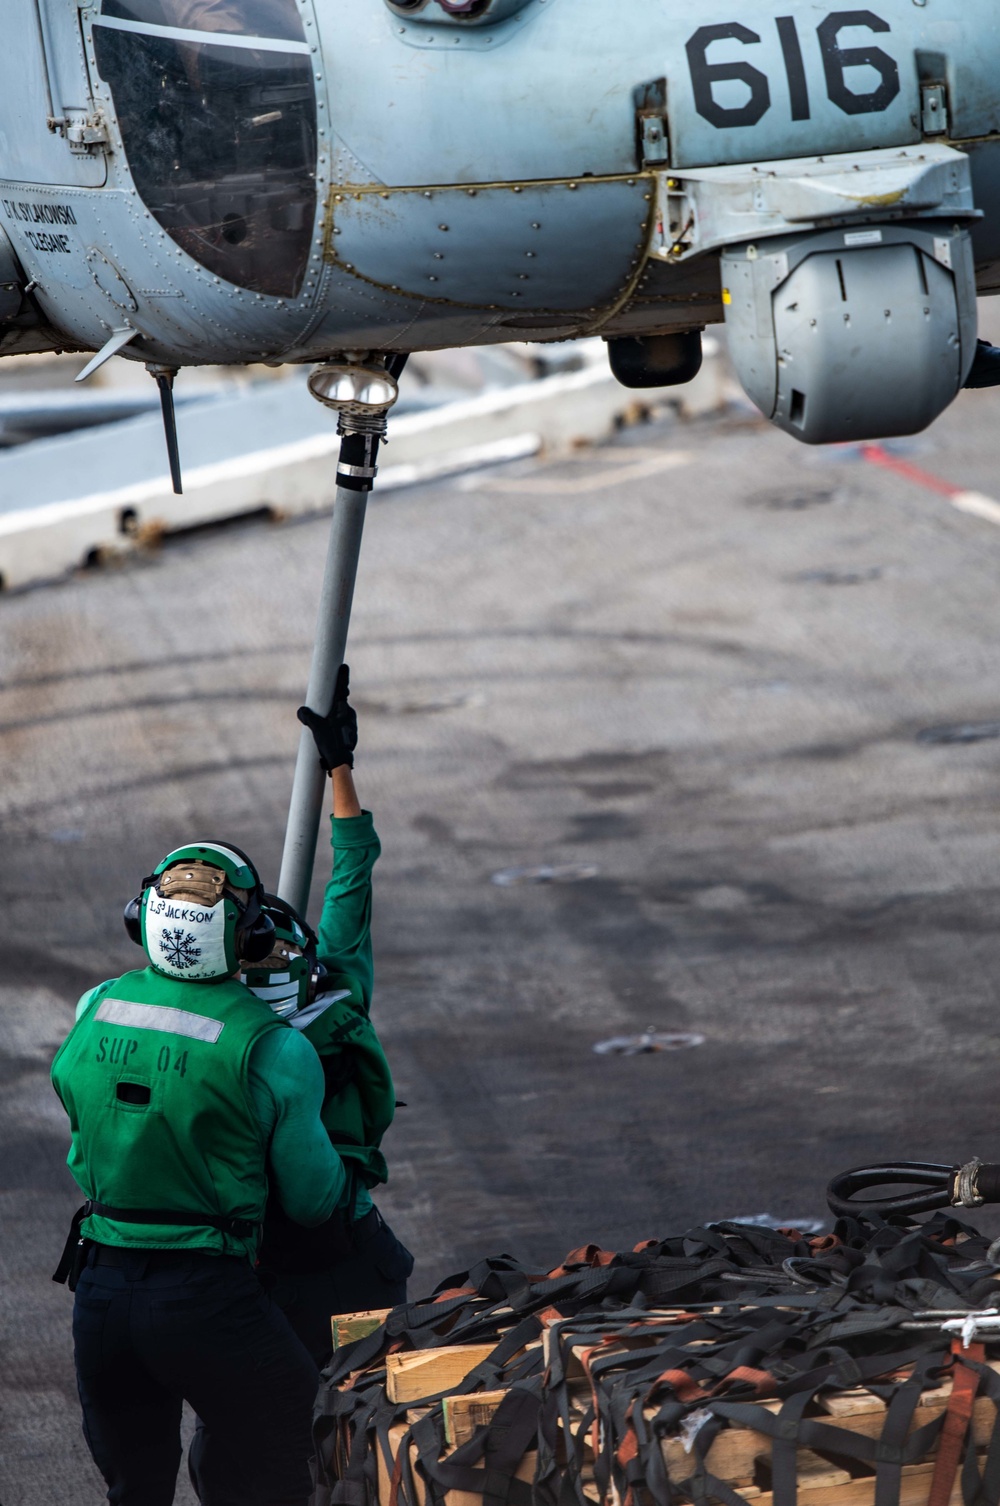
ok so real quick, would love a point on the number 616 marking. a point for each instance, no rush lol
(836, 60)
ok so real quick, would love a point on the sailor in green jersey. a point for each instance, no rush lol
(323, 987)
(187, 1098)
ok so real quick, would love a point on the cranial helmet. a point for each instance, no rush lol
(291, 976)
(200, 913)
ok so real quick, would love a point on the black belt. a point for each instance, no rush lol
(240, 1228)
(74, 1253)
(121, 1255)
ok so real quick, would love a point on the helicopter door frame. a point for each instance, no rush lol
(72, 112)
(31, 153)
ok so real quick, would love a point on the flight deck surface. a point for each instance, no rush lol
(750, 685)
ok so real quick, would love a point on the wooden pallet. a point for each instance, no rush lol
(738, 1455)
(464, 1414)
(525, 1471)
(350, 1326)
(819, 1488)
(427, 1372)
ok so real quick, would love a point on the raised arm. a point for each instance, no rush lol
(345, 798)
(344, 929)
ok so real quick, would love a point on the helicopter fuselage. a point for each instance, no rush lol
(281, 180)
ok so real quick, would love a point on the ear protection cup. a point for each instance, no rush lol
(281, 907)
(133, 911)
(257, 943)
(255, 931)
(133, 924)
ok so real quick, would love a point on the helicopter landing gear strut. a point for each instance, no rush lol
(163, 376)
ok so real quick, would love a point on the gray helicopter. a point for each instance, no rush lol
(205, 181)
(346, 181)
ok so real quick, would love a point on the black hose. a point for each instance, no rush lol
(936, 1182)
(357, 466)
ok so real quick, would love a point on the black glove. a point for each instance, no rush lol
(336, 734)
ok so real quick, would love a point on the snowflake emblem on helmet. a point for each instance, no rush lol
(178, 947)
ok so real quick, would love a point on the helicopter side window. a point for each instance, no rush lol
(249, 18)
(221, 143)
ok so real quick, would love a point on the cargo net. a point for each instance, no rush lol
(732, 1364)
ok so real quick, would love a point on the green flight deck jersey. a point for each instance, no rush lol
(156, 1079)
(360, 1100)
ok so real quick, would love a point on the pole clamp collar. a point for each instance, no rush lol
(965, 1192)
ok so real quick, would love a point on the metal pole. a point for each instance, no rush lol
(355, 474)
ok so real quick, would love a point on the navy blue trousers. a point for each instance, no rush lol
(371, 1274)
(159, 1329)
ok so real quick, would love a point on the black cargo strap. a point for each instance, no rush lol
(790, 1431)
(755, 1314)
(500, 1447)
(369, 1417)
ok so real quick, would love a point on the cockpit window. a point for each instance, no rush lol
(249, 18)
(221, 144)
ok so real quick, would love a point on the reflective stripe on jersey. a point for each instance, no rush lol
(159, 1017)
